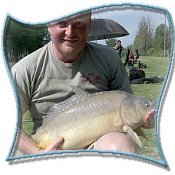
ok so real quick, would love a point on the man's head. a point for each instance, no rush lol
(69, 36)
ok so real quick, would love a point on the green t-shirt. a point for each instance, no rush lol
(42, 80)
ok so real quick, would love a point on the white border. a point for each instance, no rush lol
(39, 11)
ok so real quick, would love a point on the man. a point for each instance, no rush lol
(43, 79)
(118, 47)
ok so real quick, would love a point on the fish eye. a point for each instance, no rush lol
(147, 104)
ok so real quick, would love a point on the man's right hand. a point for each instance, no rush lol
(54, 147)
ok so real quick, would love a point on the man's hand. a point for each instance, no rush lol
(149, 120)
(54, 147)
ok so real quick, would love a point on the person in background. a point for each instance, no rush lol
(118, 48)
(131, 58)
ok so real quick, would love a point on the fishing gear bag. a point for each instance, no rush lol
(155, 79)
(136, 74)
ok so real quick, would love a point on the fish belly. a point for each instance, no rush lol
(81, 124)
(88, 131)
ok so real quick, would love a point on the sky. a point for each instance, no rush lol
(129, 19)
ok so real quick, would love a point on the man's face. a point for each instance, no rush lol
(69, 36)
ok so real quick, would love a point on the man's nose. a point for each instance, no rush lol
(70, 30)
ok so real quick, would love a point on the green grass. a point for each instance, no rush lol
(149, 147)
(156, 66)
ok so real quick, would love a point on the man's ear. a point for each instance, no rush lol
(48, 27)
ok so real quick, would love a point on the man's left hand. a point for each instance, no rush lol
(149, 120)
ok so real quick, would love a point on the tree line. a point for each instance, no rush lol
(22, 39)
(148, 40)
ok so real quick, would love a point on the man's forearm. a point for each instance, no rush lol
(25, 143)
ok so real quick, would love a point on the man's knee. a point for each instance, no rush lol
(117, 142)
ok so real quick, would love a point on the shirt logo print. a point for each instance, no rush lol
(91, 78)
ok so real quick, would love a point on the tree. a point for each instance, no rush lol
(156, 48)
(158, 43)
(111, 42)
(144, 35)
(159, 37)
(22, 39)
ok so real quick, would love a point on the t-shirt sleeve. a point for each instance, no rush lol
(119, 77)
(22, 90)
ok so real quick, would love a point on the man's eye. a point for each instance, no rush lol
(61, 24)
(78, 24)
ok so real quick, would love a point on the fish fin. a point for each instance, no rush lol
(139, 132)
(91, 146)
(80, 94)
(79, 91)
(39, 146)
(132, 135)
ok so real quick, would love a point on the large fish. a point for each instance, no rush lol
(84, 117)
